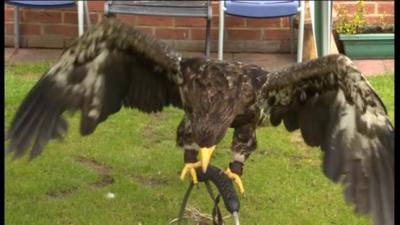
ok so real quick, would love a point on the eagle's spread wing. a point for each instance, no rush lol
(335, 108)
(110, 66)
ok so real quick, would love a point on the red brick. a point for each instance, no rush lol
(72, 18)
(200, 34)
(96, 6)
(369, 8)
(189, 22)
(235, 21)
(97, 18)
(215, 21)
(276, 35)
(389, 19)
(128, 19)
(348, 7)
(42, 42)
(25, 29)
(68, 9)
(265, 23)
(8, 14)
(9, 28)
(64, 30)
(8, 41)
(8, 6)
(215, 8)
(386, 7)
(230, 21)
(39, 16)
(30, 29)
(154, 20)
(377, 20)
(372, 20)
(170, 33)
(236, 34)
(285, 21)
(94, 18)
(147, 30)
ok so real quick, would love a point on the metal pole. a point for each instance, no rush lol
(208, 38)
(318, 26)
(291, 19)
(184, 203)
(80, 17)
(221, 29)
(322, 31)
(326, 27)
(236, 218)
(300, 40)
(88, 22)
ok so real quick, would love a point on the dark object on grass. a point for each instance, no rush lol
(225, 189)
(224, 186)
(328, 99)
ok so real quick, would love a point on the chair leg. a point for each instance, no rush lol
(291, 18)
(208, 38)
(300, 41)
(86, 11)
(81, 17)
(221, 30)
(16, 28)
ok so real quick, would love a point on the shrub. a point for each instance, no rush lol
(357, 24)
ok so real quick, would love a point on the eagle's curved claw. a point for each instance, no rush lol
(191, 168)
(235, 178)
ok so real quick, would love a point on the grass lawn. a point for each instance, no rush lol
(134, 156)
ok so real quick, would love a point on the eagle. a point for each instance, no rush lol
(114, 65)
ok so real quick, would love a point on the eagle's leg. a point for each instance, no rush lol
(191, 163)
(184, 139)
(244, 142)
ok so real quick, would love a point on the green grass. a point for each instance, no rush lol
(283, 180)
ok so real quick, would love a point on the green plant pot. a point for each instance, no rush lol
(368, 46)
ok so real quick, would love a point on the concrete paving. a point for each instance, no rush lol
(270, 62)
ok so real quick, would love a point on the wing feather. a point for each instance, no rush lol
(111, 66)
(336, 108)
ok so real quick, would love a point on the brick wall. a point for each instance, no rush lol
(57, 28)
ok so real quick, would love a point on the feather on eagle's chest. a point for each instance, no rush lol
(221, 92)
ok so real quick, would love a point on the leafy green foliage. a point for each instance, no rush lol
(357, 24)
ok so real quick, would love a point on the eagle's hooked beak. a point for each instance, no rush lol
(205, 156)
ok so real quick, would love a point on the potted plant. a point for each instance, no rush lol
(360, 40)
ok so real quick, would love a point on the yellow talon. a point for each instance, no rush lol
(205, 156)
(235, 178)
(191, 168)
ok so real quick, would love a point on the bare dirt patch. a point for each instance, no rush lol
(149, 130)
(60, 194)
(149, 181)
(104, 181)
(102, 169)
(95, 165)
